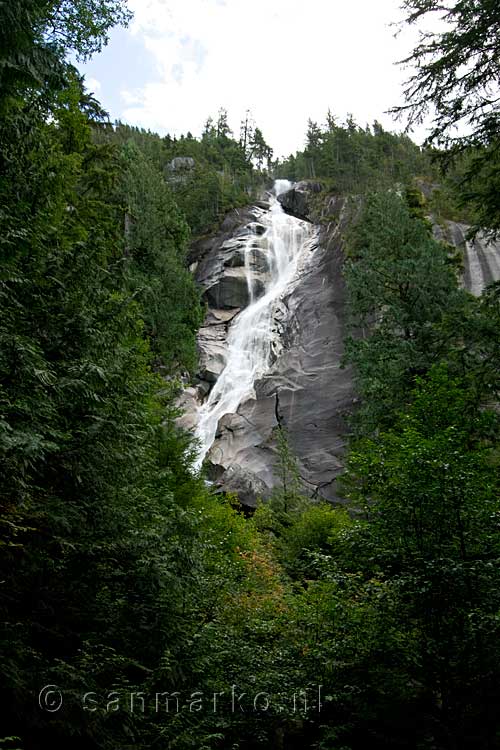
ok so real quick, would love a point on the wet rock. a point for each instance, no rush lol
(263, 204)
(259, 229)
(216, 317)
(257, 259)
(203, 387)
(218, 263)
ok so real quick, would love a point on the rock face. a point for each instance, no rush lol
(220, 269)
(213, 253)
(297, 201)
(231, 289)
(481, 258)
(306, 388)
(181, 163)
(218, 264)
(212, 343)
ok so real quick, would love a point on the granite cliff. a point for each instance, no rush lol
(304, 387)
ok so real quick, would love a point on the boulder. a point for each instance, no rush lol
(189, 402)
(231, 289)
(297, 201)
(212, 350)
(203, 387)
(244, 484)
(216, 317)
(263, 204)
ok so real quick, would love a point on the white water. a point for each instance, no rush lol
(251, 335)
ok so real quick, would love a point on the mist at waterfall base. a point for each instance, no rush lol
(252, 334)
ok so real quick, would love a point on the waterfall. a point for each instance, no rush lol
(251, 335)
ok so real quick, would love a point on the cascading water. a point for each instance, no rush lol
(251, 335)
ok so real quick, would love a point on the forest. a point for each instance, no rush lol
(140, 609)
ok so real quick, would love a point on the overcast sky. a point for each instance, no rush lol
(285, 60)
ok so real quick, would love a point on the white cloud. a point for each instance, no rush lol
(132, 98)
(285, 60)
(93, 85)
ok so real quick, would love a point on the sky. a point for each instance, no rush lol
(286, 61)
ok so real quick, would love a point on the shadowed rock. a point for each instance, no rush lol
(231, 289)
(297, 201)
(245, 484)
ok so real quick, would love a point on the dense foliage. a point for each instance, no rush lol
(155, 240)
(207, 176)
(154, 613)
(455, 79)
(354, 159)
(91, 464)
